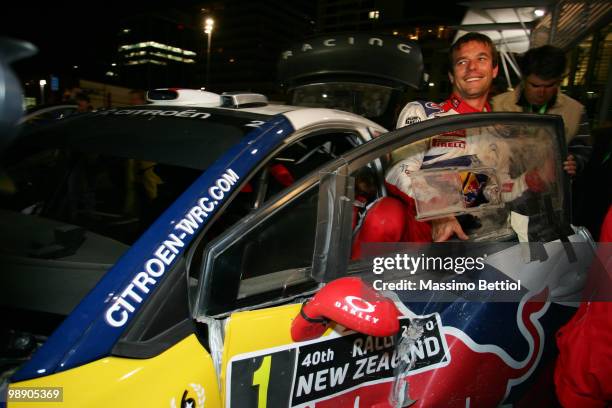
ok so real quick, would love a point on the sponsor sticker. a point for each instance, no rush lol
(412, 119)
(189, 113)
(301, 374)
(460, 144)
(124, 303)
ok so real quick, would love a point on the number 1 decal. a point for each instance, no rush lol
(261, 379)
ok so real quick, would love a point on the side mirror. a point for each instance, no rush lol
(351, 303)
(11, 94)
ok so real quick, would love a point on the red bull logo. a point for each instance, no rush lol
(472, 187)
(476, 375)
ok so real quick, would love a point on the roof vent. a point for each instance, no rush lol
(242, 100)
(175, 96)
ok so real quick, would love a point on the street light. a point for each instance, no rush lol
(208, 29)
(42, 84)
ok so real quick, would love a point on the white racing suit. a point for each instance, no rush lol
(472, 147)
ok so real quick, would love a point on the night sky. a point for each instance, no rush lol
(69, 34)
(84, 34)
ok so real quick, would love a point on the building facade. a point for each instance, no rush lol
(158, 50)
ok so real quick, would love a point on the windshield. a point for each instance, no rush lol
(368, 100)
(113, 172)
(77, 193)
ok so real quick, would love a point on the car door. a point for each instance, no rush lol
(254, 277)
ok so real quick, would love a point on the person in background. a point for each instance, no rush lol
(83, 102)
(137, 97)
(543, 69)
(70, 93)
(583, 374)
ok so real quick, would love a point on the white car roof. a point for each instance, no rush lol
(302, 117)
(299, 116)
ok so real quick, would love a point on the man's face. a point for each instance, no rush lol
(539, 91)
(473, 70)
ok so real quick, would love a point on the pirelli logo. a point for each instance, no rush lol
(460, 144)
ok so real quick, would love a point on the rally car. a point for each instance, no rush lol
(158, 255)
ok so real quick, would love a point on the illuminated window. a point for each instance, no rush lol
(172, 57)
(155, 44)
(374, 14)
(136, 54)
(146, 61)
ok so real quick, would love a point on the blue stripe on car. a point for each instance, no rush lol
(85, 335)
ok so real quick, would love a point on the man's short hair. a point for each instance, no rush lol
(464, 39)
(546, 62)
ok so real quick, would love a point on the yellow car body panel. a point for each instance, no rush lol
(256, 330)
(184, 371)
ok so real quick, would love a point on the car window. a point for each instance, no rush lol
(279, 172)
(368, 100)
(111, 196)
(300, 158)
(266, 277)
(181, 136)
(499, 181)
(270, 260)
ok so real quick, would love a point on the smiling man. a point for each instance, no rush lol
(473, 66)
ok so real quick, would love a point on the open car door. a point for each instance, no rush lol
(449, 351)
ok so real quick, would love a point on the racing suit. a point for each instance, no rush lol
(584, 366)
(476, 147)
(392, 218)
